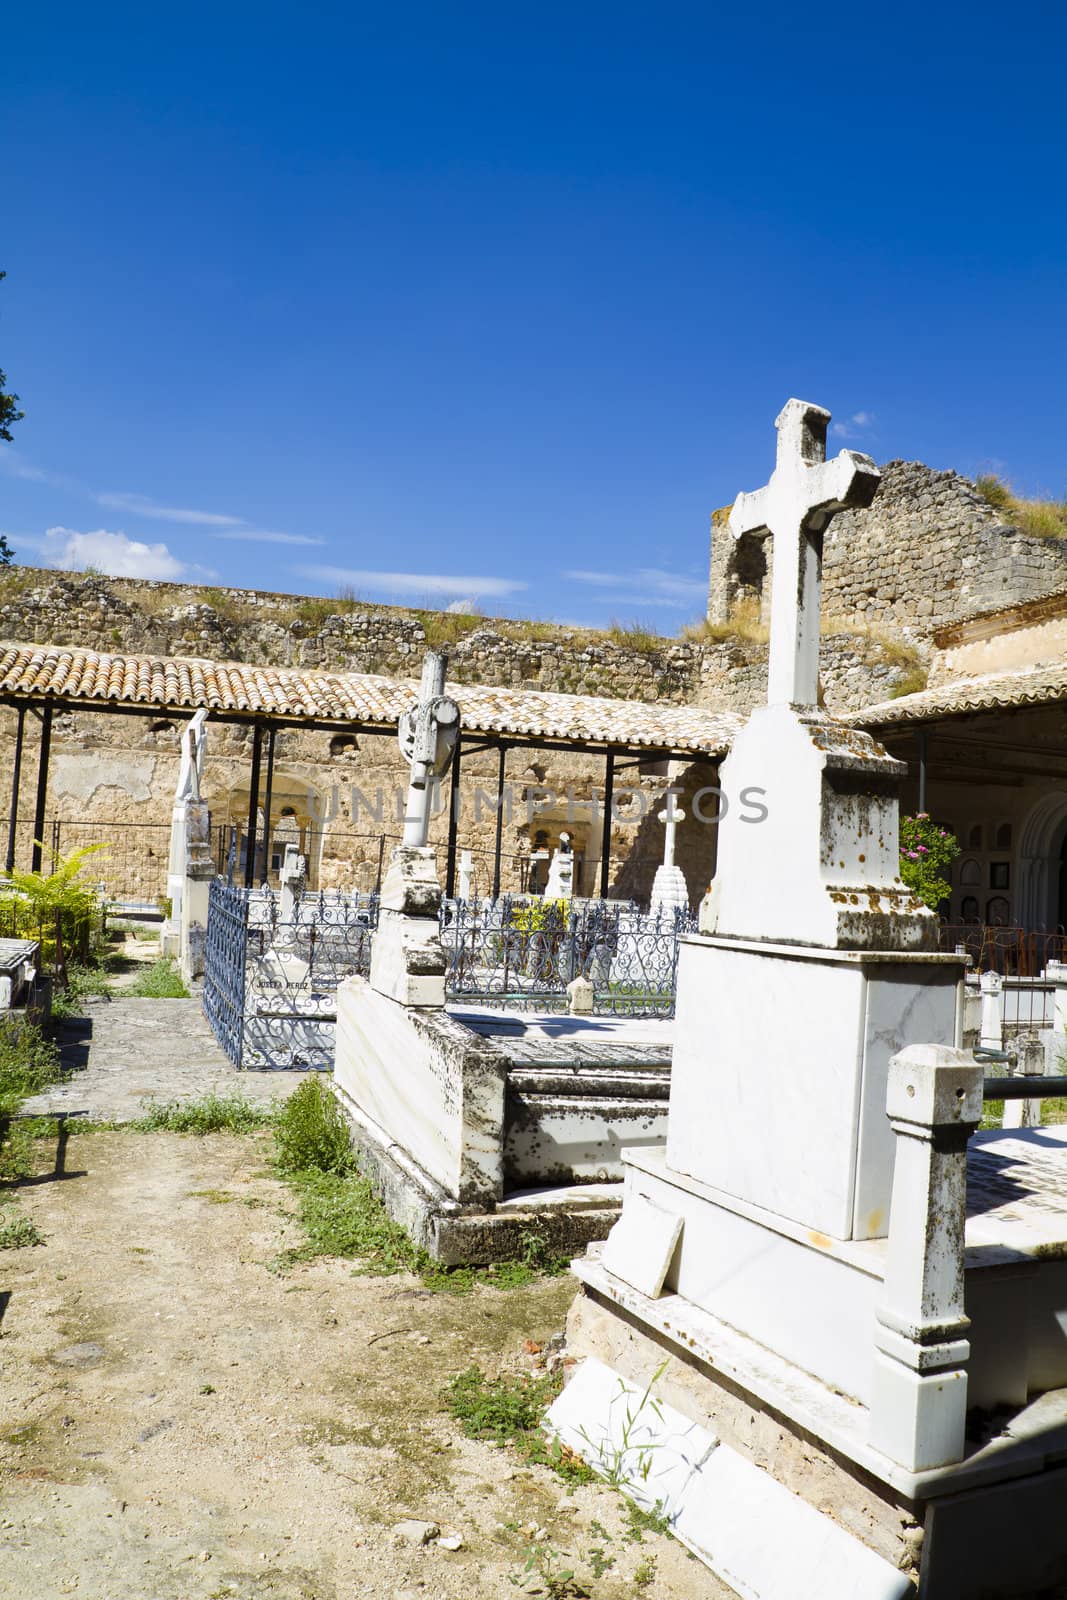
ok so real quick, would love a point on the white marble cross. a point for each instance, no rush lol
(794, 507)
(427, 735)
(670, 819)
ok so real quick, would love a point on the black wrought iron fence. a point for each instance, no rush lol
(272, 966)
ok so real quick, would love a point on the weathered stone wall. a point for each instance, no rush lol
(128, 615)
(929, 551)
(112, 776)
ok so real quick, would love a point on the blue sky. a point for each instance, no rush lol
(470, 303)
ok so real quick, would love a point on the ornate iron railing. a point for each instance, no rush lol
(524, 953)
(273, 963)
(225, 955)
(272, 967)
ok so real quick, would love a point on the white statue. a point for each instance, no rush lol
(194, 749)
(560, 885)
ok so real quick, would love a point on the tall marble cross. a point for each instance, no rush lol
(795, 507)
(427, 735)
(670, 818)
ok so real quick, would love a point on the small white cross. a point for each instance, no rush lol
(794, 507)
(670, 817)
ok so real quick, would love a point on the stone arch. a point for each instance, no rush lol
(297, 817)
(1041, 842)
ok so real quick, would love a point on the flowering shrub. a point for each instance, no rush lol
(926, 853)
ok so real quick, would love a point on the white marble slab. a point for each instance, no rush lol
(780, 1068)
(640, 1247)
(764, 1541)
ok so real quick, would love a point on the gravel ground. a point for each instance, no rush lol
(177, 1422)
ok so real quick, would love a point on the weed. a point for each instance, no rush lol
(311, 1134)
(213, 1114)
(911, 682)
(613, 1461)
(18, 1231)
(316, 610)
(546, 1564)
(994, 491)
(447, 627)
(1041, 519)
(28, 1062)
(600, 1561)
(83, 982)
(644, 1574)
(214, 1197)
(640, 1521)
(342, 1216)
(742, 623)
(207, 1388)
(160, 981)
(635, 636)
(509, 1410)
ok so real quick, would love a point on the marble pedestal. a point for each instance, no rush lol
(762, 1339)
(781, 1061)
(670, 892)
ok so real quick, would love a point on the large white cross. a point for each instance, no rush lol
(794, 507)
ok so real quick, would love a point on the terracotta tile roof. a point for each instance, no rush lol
(168, 683)
(1029, 686)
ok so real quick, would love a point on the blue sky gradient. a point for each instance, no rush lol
(474, 304)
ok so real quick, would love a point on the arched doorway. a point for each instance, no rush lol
(1041, 902)
(296, 817)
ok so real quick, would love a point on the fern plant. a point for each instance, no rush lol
(57, 907)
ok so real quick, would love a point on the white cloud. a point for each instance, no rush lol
(139, 505)
(462, 607)
(262, 536)
(649, 585)
(16, 467)
(417, 583)
(112, 553)
(859, 422)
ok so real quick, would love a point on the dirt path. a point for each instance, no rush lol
(179, 1423)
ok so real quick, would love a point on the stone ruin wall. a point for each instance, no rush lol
(928, 552)
(135, 616)
(113, 776)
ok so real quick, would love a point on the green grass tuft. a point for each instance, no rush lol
(17, 1232)
(342, 1216)
(83, 982)
(160, 981)
(311, 1134)
(29, 1062)
(509, 1410)
(213, 1114)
